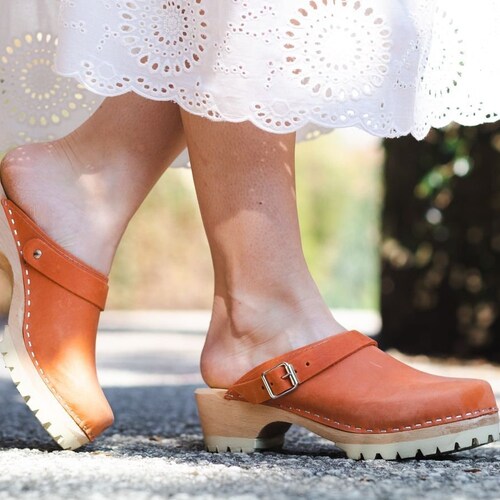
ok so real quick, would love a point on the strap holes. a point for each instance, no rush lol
(307, 363)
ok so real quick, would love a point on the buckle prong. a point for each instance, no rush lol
(290, 373)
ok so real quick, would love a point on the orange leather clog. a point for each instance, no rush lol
(347, 390)
(49, 343)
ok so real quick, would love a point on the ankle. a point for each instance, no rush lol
(247, 329)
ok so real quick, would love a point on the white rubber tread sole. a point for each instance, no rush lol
(220, 444)
(429, 447)
(39, 398)
(237, 426)
(37, 394)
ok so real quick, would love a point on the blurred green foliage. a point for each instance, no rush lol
(339, 190)
(164, 260)
(441, 242)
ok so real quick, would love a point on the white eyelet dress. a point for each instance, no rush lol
(390, 67)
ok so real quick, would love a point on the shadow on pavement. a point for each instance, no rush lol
(155, 422)
(163, 363)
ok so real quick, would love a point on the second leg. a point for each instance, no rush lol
(265, 301)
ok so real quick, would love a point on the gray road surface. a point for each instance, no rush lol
(148, 367)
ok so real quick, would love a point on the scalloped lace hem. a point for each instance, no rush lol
(390, 68)
(308, 129)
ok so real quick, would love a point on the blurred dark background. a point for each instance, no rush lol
(440, 266)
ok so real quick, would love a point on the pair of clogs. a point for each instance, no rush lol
(343, 388)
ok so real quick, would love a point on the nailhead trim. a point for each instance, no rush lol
(27, 313)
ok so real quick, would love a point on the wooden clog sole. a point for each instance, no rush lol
(238, 426)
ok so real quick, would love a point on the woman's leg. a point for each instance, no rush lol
(266, 305)
(266, 302)
(84, 188)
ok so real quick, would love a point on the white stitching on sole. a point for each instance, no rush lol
(27, 280)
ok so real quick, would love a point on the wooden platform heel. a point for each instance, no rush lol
(237, 426)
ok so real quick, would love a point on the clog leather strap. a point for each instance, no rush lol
(285, 373)
(58, 266)
(43, 254)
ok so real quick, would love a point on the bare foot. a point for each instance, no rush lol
(83, 189)
(70, 195)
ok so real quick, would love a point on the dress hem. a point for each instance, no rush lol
(310, 122)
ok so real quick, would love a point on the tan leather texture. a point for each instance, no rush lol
(363, 389)
(312, 360)
(66, 271)
(63, 299)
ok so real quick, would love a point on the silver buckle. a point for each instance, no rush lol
(290, 373)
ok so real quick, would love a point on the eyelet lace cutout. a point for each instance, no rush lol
(309, 66)
(34, 101)
(166, 37)
(358, 41)
(450, 62)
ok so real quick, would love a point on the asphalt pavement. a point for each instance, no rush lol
(148, 365)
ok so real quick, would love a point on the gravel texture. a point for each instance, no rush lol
(155, 448)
